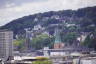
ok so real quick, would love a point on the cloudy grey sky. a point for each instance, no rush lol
(13, 9)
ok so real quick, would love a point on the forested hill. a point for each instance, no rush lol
(85, 18)
(75, 23)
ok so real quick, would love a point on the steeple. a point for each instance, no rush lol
(57, 35)
(58, 43)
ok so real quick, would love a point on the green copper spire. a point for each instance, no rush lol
(57, 35)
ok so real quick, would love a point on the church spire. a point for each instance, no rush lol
(58, 43)
(57, 36)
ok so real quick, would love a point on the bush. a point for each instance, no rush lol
(42, 62)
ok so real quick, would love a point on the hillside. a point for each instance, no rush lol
(52, 17)
(75, 22)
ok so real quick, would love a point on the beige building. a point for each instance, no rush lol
(6, 44)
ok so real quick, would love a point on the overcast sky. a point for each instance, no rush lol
(13, 9)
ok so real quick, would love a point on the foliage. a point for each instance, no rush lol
(19, 43)
(42, 62)
(42, 58)
(41, 41)
(70, 37)
(38, 42)
(18, 25)
(90, 40)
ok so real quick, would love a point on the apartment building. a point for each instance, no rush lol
(6, 45)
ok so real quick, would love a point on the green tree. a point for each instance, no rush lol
(42, 62)
(70, 37)
(90, 40)
(19, 44)
(41, 41)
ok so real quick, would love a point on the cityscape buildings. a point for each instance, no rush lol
(6, 45)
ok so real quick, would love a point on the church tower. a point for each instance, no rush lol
(58, 43)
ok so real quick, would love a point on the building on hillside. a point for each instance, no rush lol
(36, 19)
(55, 17)
(6, 45)
(37, 27)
